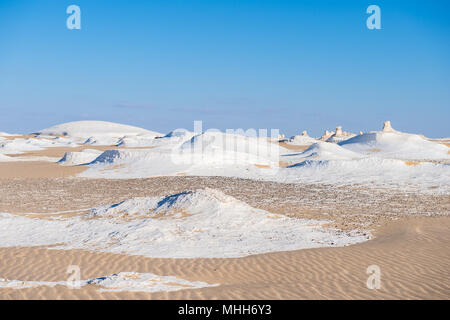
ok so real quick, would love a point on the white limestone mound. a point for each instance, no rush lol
(21, 145)
(225, 148)
(171, 140)
(17, 146)
(177, 137)
(144, 282)
(205, 155)
(77, 158)
(394, 144)
(137, 141)
(176, 206)
(180, 133)
(88, 129)
(329, 151)
(225, 142)
(123, 281)
(232, 155)
(203, 223)
(119, 156)
(372, 171)
(136, 163)
(301, 141)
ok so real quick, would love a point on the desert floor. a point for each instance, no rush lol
(411, 240)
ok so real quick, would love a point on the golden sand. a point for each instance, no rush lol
(412, 163)
(37, 169)
(412, 254)
(262, 166)
(58, 152)
(294, 147)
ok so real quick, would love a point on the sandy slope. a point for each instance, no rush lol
(37, 169)
(413, 256)
(58, 152)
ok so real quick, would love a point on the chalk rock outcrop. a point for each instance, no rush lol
(282, 138)
(340, 135)
(387, 127)
(303, 140)
(326, 135)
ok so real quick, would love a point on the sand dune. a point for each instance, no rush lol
(37, 169)
(412, 254)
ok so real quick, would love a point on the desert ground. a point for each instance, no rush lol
(402, 228)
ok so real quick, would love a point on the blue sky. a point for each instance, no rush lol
(291, 65)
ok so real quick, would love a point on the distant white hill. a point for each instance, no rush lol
(89, 129)
(396, 145)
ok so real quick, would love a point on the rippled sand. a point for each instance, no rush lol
(411, 240)
(412, 254)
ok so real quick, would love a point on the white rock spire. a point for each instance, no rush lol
(387, 127)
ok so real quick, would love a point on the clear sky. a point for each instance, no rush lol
(292, 65)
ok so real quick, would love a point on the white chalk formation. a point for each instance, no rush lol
(78, 158)
(340, 135)
(302, 140)
(142, 155)
(387, 127)
(326, 135)
(123, 281)
(176, 226)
